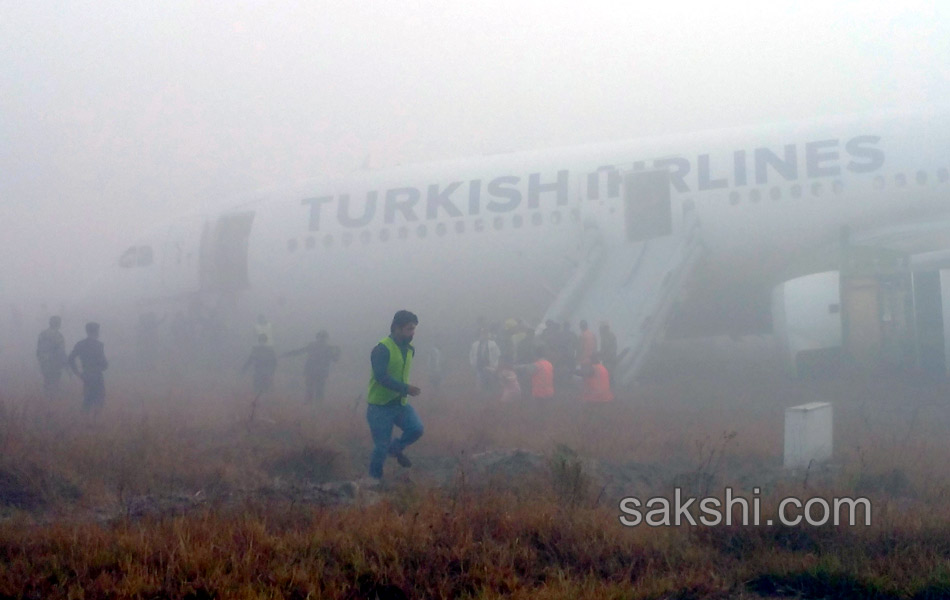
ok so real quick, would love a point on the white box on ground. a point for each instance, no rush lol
(807, 434)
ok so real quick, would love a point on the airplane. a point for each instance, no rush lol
(832, 234)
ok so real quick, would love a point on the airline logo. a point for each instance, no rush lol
(507, 193)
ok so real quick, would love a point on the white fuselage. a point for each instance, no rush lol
(497, 236)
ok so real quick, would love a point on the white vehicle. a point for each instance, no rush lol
(831, 233)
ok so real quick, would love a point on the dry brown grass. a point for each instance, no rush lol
(69, 484)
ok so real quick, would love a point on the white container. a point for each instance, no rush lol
(808, 437)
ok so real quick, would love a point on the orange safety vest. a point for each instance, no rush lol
(542, 380)
(597, 385)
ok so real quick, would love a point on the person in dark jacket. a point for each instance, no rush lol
(316, 369)
(91, 354)
(51, 354)
(263, 360)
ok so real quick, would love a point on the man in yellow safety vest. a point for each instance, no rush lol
(388, 393)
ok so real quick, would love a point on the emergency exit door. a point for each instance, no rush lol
(861, 320)
(648, 205)
(224, 246)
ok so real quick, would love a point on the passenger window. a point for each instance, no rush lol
(136, 256)
(128, 258)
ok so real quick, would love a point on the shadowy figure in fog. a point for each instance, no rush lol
(562, 352)
(263, 361)
(483, 356)
(263, 327)
(608, 349)
(51, 354)
(316, 369)
(91, 354)
(586, 345)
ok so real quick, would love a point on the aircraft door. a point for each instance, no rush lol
(928, 314)
(647, 205)
(862, 324)
(224, 246)
(878, 319)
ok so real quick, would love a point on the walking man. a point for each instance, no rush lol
(263, 360)
(316, 369)
(483, 356)
(51, 354)
(91, 354)
(388, 404)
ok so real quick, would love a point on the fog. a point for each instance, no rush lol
(117, 116)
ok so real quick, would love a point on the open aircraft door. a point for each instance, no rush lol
(224, 247)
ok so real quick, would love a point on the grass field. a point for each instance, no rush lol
(171, 492)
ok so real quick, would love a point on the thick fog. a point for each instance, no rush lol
(117, 116)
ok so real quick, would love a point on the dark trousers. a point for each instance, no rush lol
(382, 419)
(316, 387)
(93, 389)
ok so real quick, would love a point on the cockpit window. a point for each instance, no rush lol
(136, 256)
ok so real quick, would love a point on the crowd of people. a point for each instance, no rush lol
(87, 360)
(510, 361)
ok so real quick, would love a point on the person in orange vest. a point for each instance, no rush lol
(596, 381)
(587, 345)
(541, 372)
